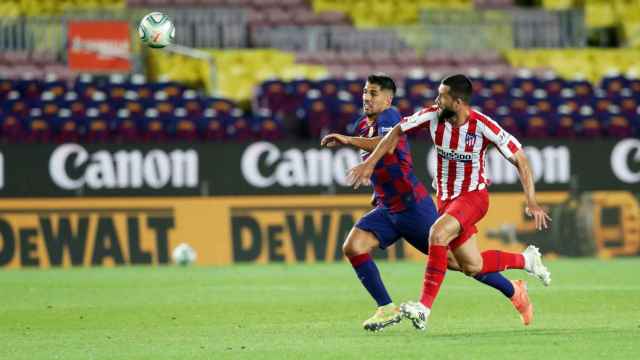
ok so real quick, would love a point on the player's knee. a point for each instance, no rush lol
(471, 269)
(353, 248)
(439, 237)
(348, 249)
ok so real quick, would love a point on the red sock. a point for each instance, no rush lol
(434, 275)
(496, 261)
(359, 259)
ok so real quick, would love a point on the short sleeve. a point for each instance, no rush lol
(387, 120)
(504, 141)
(420, 119)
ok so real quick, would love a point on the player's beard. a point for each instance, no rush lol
(371, 111)
(446, 114)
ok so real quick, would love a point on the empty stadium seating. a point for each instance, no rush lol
(98, 109)
(316, 86)
(526, 105)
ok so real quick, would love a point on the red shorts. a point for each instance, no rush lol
(468, 208)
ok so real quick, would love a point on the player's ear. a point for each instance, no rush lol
(389, 99)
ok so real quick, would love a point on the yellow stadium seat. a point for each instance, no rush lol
(632, 33)
(238, 72)
(591, 63)
(381, 13)
(59, 7)
(599, 14)
(558, 4)
(9, 9)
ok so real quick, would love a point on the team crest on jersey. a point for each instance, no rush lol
(470, 140)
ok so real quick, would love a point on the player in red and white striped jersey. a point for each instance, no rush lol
(461, 149)
(461, 136)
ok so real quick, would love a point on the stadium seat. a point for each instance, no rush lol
(184, 129)
(590, 126)
(13, 130)
(125, 128)
(566, 126)
(537, 127)
(239, 130)
(510, 125)
(618, 126)
(269, 127)
(212, 127)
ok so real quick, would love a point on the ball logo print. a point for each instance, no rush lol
(470, 140)
(156, 30)
(183, 254)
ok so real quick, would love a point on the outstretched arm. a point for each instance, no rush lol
(367, 144)
(521, 162)
(361, 174)
(386, 146)
(512, 150)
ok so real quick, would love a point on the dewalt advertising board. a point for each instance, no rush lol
(283, 229)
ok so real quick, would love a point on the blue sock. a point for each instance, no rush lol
(498, 282)
(370, 277)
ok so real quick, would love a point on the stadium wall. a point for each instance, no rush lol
(282, 229)
(104, 205)
(265, 168)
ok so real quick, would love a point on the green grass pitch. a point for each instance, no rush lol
(590, 311)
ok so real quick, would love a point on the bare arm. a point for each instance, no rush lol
(526, 178)
(367, 144)
(386, 146)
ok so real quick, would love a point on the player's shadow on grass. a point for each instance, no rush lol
(527, 332)
(454, 335)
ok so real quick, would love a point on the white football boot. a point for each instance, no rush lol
(534, 266)
(416, 312)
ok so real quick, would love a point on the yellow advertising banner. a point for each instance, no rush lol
(263, 229)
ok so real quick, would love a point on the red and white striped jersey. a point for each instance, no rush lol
(461, 150)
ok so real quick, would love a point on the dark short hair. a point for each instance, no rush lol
(384, 81)
(460, 87)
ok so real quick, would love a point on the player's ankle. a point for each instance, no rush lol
(388, 306)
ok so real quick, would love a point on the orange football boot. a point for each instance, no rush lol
(520, 301)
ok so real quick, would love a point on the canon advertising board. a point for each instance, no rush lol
(266, 168)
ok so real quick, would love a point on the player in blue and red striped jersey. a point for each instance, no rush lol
(403, 205)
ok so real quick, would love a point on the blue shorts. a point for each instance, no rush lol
(412, 224)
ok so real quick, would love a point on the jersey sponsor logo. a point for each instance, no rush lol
(72, 167)
(455, 155)
(549, 165)
(384, 130)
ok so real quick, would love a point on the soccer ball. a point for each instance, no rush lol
(183, 254)
(156, 30)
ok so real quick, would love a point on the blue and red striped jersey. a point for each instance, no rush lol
(394, 184)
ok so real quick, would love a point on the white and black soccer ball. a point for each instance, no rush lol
(183, 254)
(156, 30)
